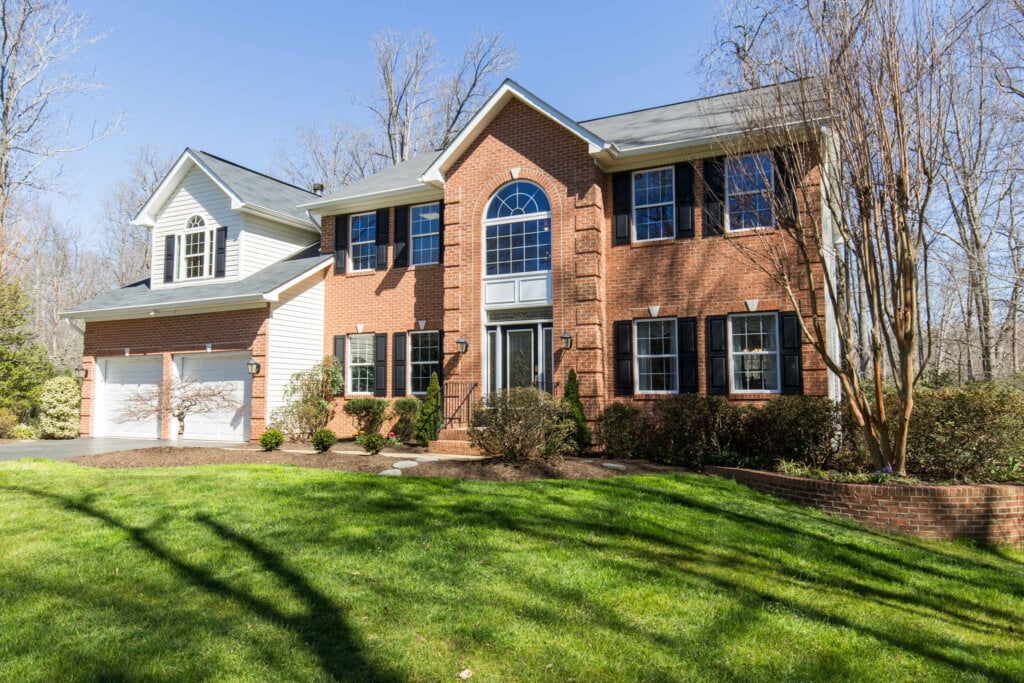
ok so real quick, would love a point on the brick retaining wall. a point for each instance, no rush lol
(993, 513)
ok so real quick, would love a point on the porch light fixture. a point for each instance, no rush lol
(566, 340)
(463, 344)
(80, 373)
(253, 367)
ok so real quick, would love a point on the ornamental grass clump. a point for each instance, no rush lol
(522, 423)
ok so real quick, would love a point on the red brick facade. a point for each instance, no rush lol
(594, 282)
(244, 330)
(990, 513)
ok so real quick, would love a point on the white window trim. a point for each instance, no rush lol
(636, 359)
(348, 363)
(412, 238)
(771, 188)
(410, 364)
(634, 207)
(351, 243)
(516, 219)
(778, 354)
(209, 256)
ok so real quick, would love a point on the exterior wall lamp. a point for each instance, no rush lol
(566, 340)
(253, 367)
(462, 343)
(80, 373)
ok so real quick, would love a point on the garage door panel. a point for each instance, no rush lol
(225, 425)
(123, 380)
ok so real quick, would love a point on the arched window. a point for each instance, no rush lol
(517, 230)
(195, 251)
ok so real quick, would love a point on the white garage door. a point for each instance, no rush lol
(122, 379)
(228, 425)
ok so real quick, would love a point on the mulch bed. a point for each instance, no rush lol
(488, 469)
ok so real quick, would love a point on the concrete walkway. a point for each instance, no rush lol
(72, 448)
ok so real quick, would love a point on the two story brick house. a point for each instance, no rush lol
(534, 244)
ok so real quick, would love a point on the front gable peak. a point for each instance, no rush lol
(508, 91)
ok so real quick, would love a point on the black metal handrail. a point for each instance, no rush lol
(458, 399)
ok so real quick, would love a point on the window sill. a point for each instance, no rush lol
(747, 232)
(360, 273)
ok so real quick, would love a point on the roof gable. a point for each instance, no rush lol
(247, 190)
(508, 91)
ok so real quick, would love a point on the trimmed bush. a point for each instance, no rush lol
(622, 431)
(581, 431)
(22, 431)
(58, 408)
(373, 443)
(324, 439)
(803, 429)
(407, 410)
(690, 429)
(429, 421)
(521, 423)
(368, 414)
(973, 433)
(7, 420)
(272, 439)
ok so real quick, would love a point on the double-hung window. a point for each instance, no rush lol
(755, 352)
(749, 182)
(195, 251)
(654, 204)
(426, 233)
(360, 363)
(363, 241)
(425, 354)
(657, 356)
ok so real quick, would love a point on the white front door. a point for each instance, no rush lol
(229, 370)
(121, 381)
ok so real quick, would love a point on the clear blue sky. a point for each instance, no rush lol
(235, 78)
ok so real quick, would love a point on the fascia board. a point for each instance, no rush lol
(409, 193)
(147, 216)
(264, 212)
(275, 294)
(126, 312)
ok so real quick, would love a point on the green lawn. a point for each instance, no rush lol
(267, 573)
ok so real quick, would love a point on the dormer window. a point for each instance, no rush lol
(195, 251)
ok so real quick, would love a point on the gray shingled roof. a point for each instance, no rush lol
(257, 188)
(698, 119)
(140, 295)
(404, 175)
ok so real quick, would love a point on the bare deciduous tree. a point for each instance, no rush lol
(40, 39)
(871, 74)
(417, 105)
(179, 399)
(126, 247)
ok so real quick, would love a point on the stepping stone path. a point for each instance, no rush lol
(392, 473)
(404, 464)
(614, 466)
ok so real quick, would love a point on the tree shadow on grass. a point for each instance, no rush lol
(321, 625)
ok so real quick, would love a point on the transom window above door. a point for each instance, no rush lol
(517, 230)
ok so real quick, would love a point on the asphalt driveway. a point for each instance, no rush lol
(72, 448)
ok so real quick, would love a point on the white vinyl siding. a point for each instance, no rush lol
(196, 196)
(265, 243)
(296, 336)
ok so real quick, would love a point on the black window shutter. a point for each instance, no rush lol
(714, 196)
(784, 190)
(687, 355)
(169, 258)
(340, 243)
(622, 206)
(440, 235)
(383, 237)
(380, 365)
(792, 372)
(339, 350)
(220, 253)
(398, 364)
(401, 258)
(684, 200)
(440, 358)
(718, 355)
(624, 358)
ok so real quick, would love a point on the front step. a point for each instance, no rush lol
(453, 442)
